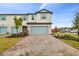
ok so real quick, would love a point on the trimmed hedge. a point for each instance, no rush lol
(67, 36)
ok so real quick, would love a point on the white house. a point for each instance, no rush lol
(35, 23)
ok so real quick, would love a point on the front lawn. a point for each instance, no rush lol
(73, 43)
(6, 43)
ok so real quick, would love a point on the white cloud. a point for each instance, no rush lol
(43, 5)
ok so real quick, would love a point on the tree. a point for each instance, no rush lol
(56, 30)
(18, 23)
(76, 22)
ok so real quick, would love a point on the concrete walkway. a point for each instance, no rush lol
(41, 45)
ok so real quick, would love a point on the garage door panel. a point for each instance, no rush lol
(39, 30)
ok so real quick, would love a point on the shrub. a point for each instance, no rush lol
(7, 33)
(67, 37)
(17, 35)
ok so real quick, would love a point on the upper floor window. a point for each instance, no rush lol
(43, 16)
(24, 17)
(32, 17)
(2, 17)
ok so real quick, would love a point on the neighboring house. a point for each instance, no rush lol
(34, 23)
(68, 29)
(65, 29)
(74, 31)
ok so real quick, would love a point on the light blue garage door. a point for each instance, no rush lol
(39, 30)
(3, 30)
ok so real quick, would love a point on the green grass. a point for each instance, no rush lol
(73, 43)
(6, 43)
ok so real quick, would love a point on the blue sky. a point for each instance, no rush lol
(63, 13)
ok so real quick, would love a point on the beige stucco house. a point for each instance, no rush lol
(35, 23)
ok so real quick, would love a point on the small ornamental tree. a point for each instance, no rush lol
(18, 23)
(56, 30)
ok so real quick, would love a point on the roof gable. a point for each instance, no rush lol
(44, 11)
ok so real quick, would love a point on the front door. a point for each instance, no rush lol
(24, 30)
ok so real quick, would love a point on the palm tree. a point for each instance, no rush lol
(18, 23)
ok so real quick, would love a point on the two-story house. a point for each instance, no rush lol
(35, 23)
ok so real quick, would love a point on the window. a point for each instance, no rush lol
(43, 16)
(24, 17)
(32, 17)
(2, 17)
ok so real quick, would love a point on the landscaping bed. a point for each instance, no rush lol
(67, 36)
(16, 36)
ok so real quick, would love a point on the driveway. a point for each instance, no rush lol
(41, 45)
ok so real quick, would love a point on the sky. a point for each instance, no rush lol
(63, 13)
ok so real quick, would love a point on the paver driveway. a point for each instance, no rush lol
(41, 45)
